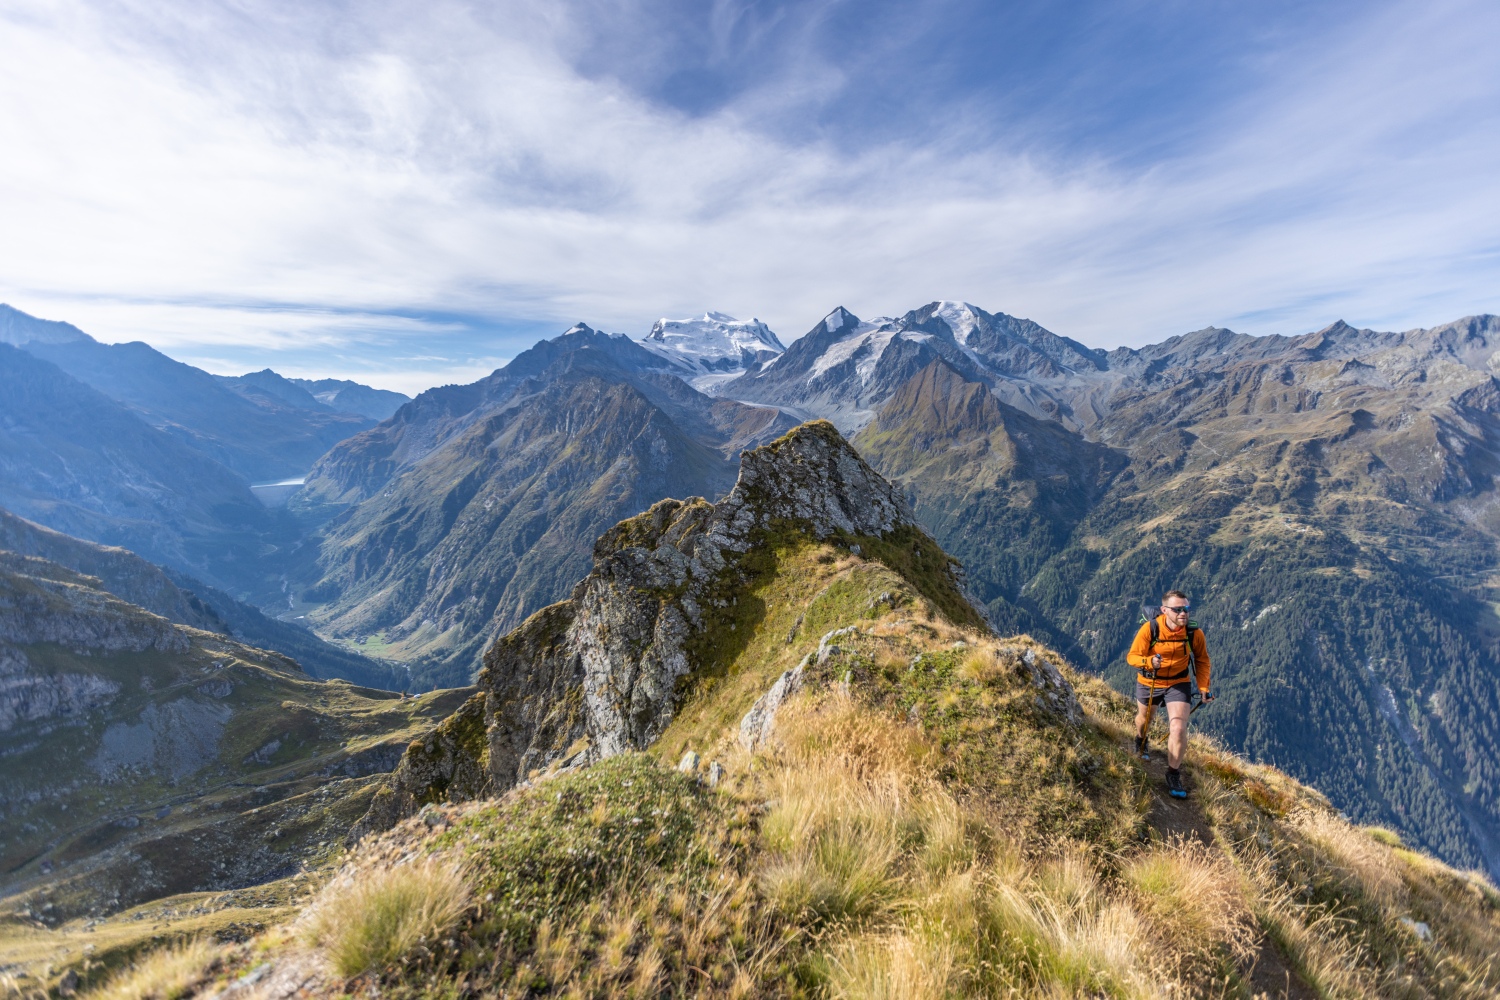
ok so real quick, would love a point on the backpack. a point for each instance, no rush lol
(1187, 640)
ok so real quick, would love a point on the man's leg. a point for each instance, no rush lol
(1177, 724)
(1141, 718)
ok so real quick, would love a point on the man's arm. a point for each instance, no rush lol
(1140, 650)
(1200, 659)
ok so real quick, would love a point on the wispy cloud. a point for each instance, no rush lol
(303, 185)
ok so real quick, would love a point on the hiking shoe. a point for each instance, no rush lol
(1174, 784)
(1141, 749)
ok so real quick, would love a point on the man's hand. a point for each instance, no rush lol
(1156, 662)
(1207, 697)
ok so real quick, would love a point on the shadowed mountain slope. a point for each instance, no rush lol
(145, 758)
(482, 516)
(83, 464)
(119, 571)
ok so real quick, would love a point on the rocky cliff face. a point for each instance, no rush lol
(42, 602)
(601, 672)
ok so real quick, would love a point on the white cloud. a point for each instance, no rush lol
(296, 175)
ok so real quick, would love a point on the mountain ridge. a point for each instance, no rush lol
(603, 671)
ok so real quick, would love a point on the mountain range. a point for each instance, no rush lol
(767, 746)
(121, 445)
(1327, 499)
(476, 505)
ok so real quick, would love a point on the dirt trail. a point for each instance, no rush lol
(1269, 976)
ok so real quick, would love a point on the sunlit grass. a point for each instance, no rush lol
(165, 974)
(372, 921)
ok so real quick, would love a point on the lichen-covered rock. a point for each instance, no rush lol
(601, 670)
(760, 722)
(1054, 692)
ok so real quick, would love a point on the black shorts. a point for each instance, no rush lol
(1177, 692)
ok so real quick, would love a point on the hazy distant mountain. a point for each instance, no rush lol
(713, 348)
(260, 437)
(81, 463)
(267, 387)
(476, 505)
(17, 328)
(352, 397)
(322, 395)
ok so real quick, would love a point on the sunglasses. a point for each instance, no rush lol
(1181, 609)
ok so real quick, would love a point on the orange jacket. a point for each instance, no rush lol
(1174, 658)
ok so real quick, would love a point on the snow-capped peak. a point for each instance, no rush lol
(714, 347)
(961, 318)
(838, 319)
(863, 343)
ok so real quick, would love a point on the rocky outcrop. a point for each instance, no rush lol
(598, 674)
(42, 602)
(26, 696)
(120, 571)
(1054, 693)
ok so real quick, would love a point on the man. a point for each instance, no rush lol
(1163, 662)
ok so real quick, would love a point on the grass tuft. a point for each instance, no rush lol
(1193, 896)
(165, 974)
(369, 923)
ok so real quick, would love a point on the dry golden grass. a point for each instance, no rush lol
(1364, 864)
(370, 922)
(914, 895)
(916, 829)
(813, 732)
(165, 974)
(890, 967)
(1316, 940)
(838, 840)
(1194, 897)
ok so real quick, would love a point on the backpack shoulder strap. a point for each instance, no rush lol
(1155, 631)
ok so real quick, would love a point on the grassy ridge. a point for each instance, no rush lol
(923, 823)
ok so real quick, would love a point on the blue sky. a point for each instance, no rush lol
(409, 193)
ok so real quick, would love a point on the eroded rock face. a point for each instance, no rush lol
(42, 602)
(596, 675)
(27, 697)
